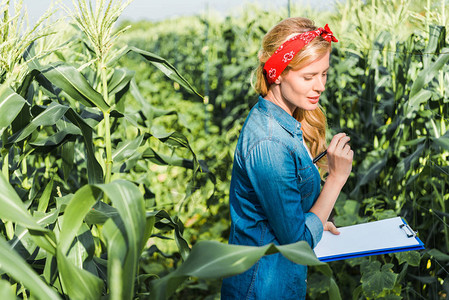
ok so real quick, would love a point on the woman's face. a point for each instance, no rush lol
(302, 88)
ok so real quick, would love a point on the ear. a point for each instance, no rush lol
(278, 80)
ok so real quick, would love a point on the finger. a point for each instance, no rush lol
(343, 142)
(335, 140)
(332, 228)
(346, 149)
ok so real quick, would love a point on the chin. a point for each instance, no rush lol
(311, 107)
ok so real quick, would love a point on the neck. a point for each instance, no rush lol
(274, 95)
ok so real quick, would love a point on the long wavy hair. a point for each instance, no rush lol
(313, 123)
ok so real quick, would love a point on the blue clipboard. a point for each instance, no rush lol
(372, 238)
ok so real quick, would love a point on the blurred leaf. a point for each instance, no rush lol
(429, 73)
(317, 284)
(438, 255)
(68, 156)
(45, 197)
(376, 278)
(408, 162)
(126, 149)
(177, 139)
(165, 160)
(414, 102)
(437, 36)
(370, 175)
(413, 258)
(6, 291)
(334, 290)
(57, 138)
(442, 141)
(148, 110)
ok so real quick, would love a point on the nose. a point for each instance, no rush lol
(320, 83)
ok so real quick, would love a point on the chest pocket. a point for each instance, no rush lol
(305, 181)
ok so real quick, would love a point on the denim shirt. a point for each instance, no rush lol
(274, 184)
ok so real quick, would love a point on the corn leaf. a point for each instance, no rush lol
(78, 283)
(124, 258)
(68, 156)
(100, 213)
(414, 102)
(164, 221)
(6, 291)
(213, 260)
(429, 73)
(119, 80)
(45, 197)
(16, 267)
(74, 214)
(163, 65)
(442, 141)
(72, 82)
(126, 149)
(11, 104)
(148, 110)
(83, 247)
(94, 170)
(114, 234)
(53, 113)
(13, 208)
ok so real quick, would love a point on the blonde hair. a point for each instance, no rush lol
(313, 123)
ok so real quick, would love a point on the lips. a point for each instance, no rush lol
(314, 100)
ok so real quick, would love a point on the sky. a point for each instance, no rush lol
(155, 10)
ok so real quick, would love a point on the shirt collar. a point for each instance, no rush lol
(284, 119)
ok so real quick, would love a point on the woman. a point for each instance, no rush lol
(275, 192)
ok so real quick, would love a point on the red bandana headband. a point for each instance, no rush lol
(285, 53)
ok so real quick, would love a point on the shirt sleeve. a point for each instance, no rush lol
(272, 172)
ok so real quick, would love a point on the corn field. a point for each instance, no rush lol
(117, 143)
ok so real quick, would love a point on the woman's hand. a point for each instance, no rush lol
(339, 157)
(329, 226)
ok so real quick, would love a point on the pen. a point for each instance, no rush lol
(319, 156)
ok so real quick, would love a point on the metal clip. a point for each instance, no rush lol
(408, 231)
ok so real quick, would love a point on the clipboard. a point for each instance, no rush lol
(372, 238)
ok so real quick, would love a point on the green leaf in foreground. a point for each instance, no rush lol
(78, 283)
(10, 105)
(213, 260)
(15, 266)
(14, 210)
(125, 236)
